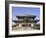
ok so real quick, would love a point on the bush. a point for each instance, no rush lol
(37, 26)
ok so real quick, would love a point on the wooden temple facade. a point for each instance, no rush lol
(26, 21)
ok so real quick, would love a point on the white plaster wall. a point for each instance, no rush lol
(32, 25)
(20, 25)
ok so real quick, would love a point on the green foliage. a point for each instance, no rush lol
(37, 26)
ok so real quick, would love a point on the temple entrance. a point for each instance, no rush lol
(29, 25)
(26, 25)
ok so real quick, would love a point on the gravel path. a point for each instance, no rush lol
(23, 29)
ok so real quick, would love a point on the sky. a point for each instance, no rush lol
(25, 11)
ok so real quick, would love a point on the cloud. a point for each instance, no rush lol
(37, 18)
(13, 23)
(15, 18)
(38, 22)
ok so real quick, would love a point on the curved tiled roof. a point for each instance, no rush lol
(24, 21)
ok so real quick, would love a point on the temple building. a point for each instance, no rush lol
(26, 21)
